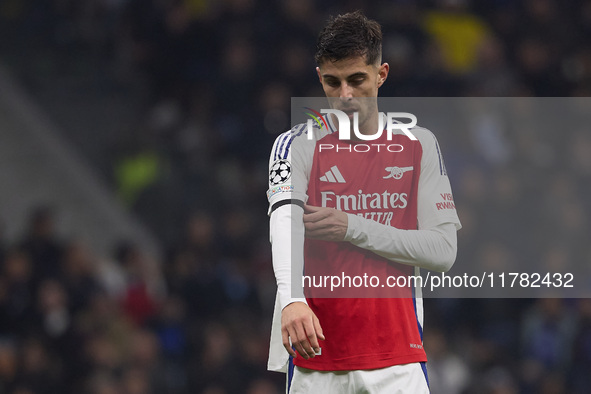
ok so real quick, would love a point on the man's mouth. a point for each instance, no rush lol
(349, 111)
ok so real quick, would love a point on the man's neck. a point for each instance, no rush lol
(370, 126)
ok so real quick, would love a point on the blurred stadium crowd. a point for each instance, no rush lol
(214, 81)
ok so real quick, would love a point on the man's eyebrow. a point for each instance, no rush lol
(354, 75)
(357, 75)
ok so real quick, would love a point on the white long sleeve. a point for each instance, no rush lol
(287, 235)
(434, 249)
(287, 232)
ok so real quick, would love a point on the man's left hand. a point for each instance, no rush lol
(327, 224)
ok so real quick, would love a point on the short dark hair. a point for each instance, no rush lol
(349, 35)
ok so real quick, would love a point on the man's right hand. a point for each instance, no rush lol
(299, 323)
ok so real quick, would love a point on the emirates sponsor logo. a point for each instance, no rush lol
(364, 201)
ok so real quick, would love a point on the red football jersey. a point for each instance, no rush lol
(398, 182)
(362, 332)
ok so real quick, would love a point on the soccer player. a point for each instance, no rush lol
(386, 212)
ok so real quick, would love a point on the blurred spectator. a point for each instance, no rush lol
(493, 75)
(42, 245)
(582, 348)
(37, 371)
(17, 292)
(79, 276)
(548, 334)
(145, 287)
(458, 32)
(448, 373)
(8, 364)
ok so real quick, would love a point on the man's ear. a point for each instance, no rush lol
(319, 75)
(383, 73)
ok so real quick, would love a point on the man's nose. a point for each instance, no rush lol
(346, 92)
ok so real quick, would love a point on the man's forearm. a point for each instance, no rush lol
(287, 232)
(433, 249)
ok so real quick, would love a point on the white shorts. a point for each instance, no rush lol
(398, 379)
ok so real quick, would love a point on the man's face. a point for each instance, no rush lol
(346, 81)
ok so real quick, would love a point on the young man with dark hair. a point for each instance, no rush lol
(375, 212)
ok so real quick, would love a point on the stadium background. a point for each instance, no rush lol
(172, 106)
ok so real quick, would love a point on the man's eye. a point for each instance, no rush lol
(356, 81)
(333, 84)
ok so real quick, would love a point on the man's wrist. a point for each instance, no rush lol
(292, 300)
(352, 224)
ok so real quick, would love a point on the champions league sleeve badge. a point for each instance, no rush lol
(280, 172)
